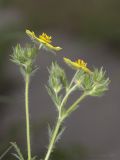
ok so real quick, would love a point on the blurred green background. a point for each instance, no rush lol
(89, 29)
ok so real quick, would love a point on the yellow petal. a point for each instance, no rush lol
(30, 34)
(52, 47)
(43, 39)
(79, 64)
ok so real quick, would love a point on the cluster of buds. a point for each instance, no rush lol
(92, 83)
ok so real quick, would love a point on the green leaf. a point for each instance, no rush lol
(53, 96)
(60, 134)
(16, 156)
(6, 151)
(34, 158)
(50, 131)
(18, 153)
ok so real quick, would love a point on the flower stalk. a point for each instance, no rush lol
(27, 80)
(75, 104)
(25, 57)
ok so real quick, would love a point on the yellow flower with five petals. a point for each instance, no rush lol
(79, 64)
(43, 40)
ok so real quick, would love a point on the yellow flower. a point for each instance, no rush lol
(79, 64)
(44, 40)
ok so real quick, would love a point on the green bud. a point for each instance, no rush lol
(24, 57)
(96, 83)
(57, 78)
(79, 77)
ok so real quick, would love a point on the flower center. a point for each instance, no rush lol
(81, 63)
(45, 38)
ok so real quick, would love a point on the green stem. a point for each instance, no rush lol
(27, 80)
(53, 139)
(66, 96)
(68, 92)
(74, 105)
(73, 79)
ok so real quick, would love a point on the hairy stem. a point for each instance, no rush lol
(73, 79)
(53, 139)
(75, 105)
(66, 97)
(27, 80)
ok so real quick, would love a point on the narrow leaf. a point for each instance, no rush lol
(17, 150)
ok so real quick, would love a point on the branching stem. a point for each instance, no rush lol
(73, 79)
(66, 97)
(63, 116)
(75, 105)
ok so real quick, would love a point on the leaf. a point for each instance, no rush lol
(60, 134)
(34, 158)
(16, 156)
(50, 131)
(19, 154)
(6, 151)
(53, 96)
